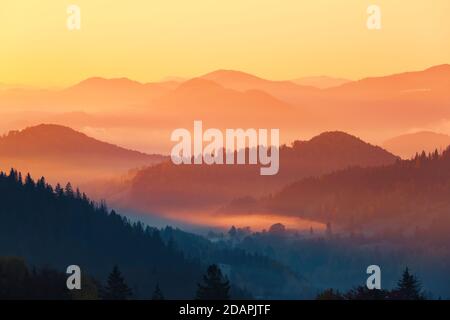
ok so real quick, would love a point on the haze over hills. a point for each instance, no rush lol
(285, 90)
(321, 82)
(219, 106)
(375, 108)
(436, 79)
(93, 94)
(114, 91)
(170, 188)
(62, 154)
(407, 145)
(407, 196)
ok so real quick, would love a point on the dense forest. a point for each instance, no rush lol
(57, 227)
(409, 195)
(44, 229)
(61, 227)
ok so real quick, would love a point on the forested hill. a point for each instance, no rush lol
(58, 227)
(61, 227)
(410, 194)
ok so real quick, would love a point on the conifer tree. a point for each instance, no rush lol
(157, 294)
(116, 288)
(215, 286)
(408, 287)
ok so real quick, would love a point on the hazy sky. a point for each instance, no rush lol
(147, 40)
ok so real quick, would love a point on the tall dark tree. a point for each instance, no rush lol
(157, 294)
(215, 286)
(408, 287)
(69, 190)
(116, 288)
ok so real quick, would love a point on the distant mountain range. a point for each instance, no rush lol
(417, 83)
(62, 154)
(370, 107)
(217, 105)
(287, 91)
(407, 145)
(320, 82)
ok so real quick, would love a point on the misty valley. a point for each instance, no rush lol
(75, 190)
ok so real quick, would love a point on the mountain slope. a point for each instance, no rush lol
(435, 79)
(285, 90)
(220, 106)
(402, 196)
(168, 187)
(408, 145)
(58, 228)
(321, 82)
(65, 154)
(118, 90)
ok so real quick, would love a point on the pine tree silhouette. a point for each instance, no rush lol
(116, 288)
(408, 287)
(215, 286)
(157, 294)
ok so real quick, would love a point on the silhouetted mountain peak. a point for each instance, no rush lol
(439, 68)
(230, 75)
(99, 82)
(45, 139)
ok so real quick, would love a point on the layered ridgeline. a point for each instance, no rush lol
(63, 154)
(372, 107)
(409, 195)
(179, 187)
(58, 227)
(407, 145)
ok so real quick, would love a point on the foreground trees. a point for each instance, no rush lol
(116, 288)
(215, 286)
(408, 288)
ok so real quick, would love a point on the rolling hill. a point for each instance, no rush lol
(287, 91)
(407, 196)
(63, 154)
(168, 187)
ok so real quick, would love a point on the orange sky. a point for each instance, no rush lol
(147, 40)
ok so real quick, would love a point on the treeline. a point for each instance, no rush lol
(408, 288)
(257, 274)
(19, 282)
(59, 227)
(407, 194)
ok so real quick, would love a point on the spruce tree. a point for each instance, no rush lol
(157, 294)
(215, 286)
(116, 288)
(408, 287)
